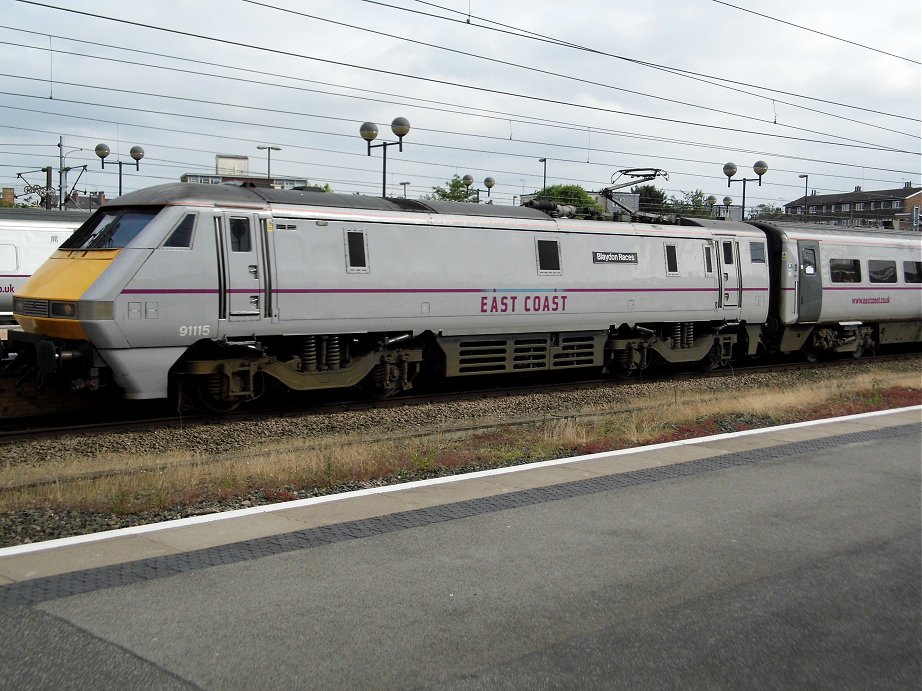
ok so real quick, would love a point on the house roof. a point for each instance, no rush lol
(859, 196)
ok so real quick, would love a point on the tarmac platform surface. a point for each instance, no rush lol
(781, 557)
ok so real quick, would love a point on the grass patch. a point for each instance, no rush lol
(135, 484)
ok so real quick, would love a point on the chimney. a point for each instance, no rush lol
(907, 185)
(857, 188)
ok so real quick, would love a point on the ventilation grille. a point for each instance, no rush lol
(467, 356)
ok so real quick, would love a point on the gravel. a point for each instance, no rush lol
(223, 438)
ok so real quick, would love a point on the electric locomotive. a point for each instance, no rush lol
(215, 293)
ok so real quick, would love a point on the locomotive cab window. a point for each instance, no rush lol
(845, 271)
(548, 257)
(757, 252)
(672, 260)
(110, 229)
(240, 235)
(881, 271)
(182, 234)
(912, 272)
(356, 252)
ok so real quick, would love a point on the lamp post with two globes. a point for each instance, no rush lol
(136, 152)
(759, 168)
(369, 131)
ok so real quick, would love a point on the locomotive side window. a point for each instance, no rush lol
(728, 253)
(881, 271)
(672, 261)
(356, 252)
(912, 272)
(757, 252)
(708, 261)
(845, 270)
(240, 235)
(548, 257)
(182, 235)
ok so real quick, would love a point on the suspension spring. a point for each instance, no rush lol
(309, 354)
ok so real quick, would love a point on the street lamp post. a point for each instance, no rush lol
(544, 182)
(136, 152)
(488, 182)
(369, 130)
(728, 200)
(711, 201)
(759, 168)
(806, 180)
(268, 149)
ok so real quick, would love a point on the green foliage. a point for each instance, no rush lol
(572, 195)
(766, 211)
(652, 199)
(454, 191)
(691, 205)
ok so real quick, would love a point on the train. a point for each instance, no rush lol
(216, 295)
(27, 238)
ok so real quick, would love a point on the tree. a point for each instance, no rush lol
(454, 191)
(766, 211)
(691, 205)
(652, 199)
(571, 195)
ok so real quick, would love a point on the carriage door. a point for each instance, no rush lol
(242, 278)
(728, 260)
(810, 284)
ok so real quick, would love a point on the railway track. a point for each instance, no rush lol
(51, 413)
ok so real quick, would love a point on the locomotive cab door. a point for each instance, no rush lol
(729, 271)
(810, 282)
(241, 275)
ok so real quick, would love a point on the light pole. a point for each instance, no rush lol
(268, 149)
(728, 200)
(544, 183)
(369, 130)
(136, 152)
(63, 171)
(711, 201)
(488, 182)
(806, 180)
(759, 168)
(404, 188)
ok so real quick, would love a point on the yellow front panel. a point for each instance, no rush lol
(67, 274)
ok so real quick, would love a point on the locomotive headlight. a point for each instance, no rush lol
(64, 310)
(19, 305)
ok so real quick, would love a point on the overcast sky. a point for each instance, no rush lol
(488, 87)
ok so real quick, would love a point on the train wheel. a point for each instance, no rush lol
(712, 360)
(811, 352)
(208, 395)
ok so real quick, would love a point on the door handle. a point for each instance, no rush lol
(253, 270)
(254, 300)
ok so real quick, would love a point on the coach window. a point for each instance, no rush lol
(728, 253)
(881, 271)
(182, 234)
(548, 257)
(356, 252)
(912, 272)
(708, 261)
(757, 252)
(672, 260)
(845, 271)
(240, 235)
(808, 256)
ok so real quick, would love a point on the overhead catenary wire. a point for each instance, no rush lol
(443, 82)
